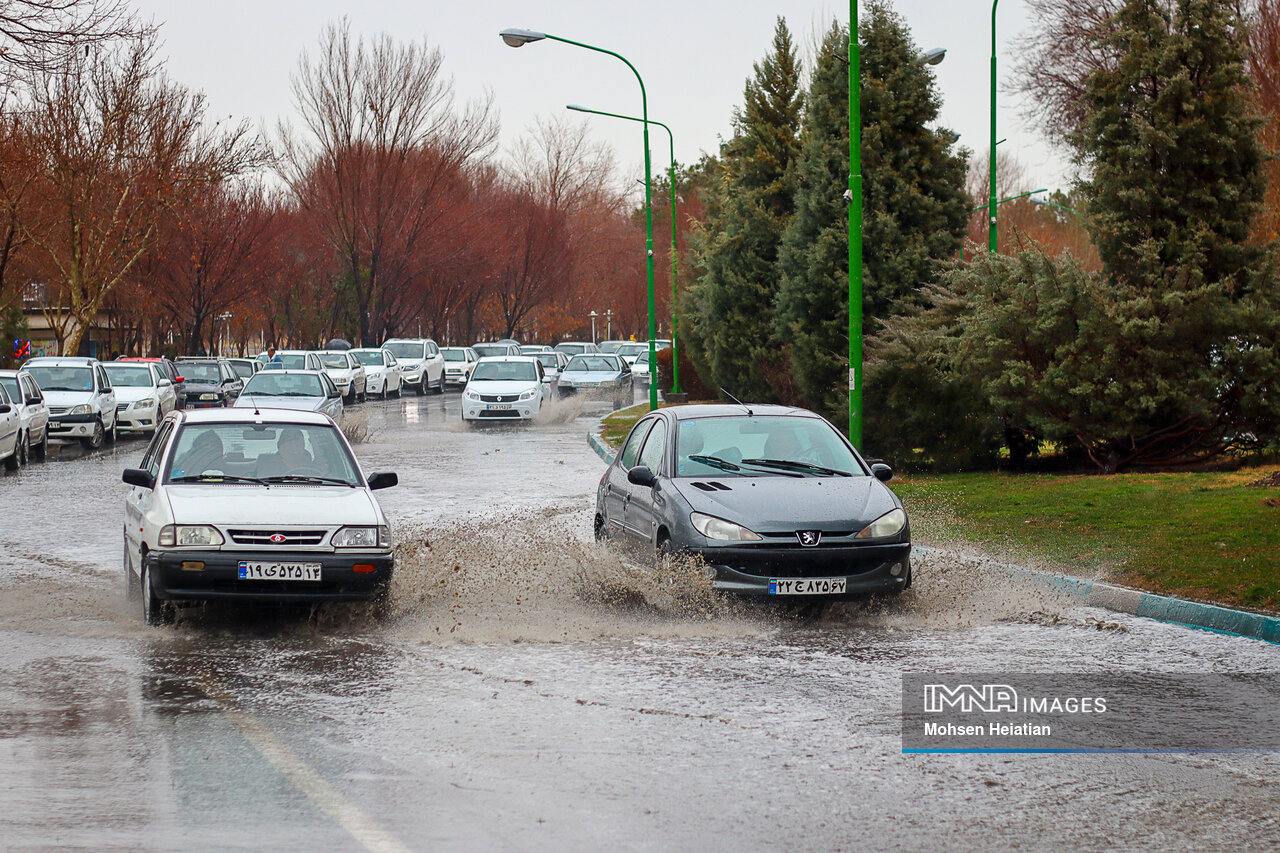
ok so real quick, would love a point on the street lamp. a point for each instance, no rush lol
(516, 37)
(593, 315)
(1015, 198)
(224, 317)
(1048, 203)
(991, 199)
(608, 319)
(675, 327)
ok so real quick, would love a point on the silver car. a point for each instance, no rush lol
(307, 390)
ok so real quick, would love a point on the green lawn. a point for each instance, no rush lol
(1208, 536)
(614, 427)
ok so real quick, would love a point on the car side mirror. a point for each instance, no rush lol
(138, 477)
(165, 383)
(5, 408)
(882, 472)
(641, 476)
(180, 379)
(383, 480)
(34, 401)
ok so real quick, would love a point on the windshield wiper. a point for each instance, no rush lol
(716, 462)
(306, 478)
(217, 478)
(796, 466)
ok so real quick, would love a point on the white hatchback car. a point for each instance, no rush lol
(241, 504)
(420, 362)
(382, 371)
(28, 401)
(81, 401)
(144, 395)
(458, 364)
(510, 387)
(11, 446)
(347, 373)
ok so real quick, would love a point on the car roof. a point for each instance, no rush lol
(294, 371)
(141, 358)
(721, 410)
(297, 351)
(528, 359)
(248, 416)
(61, 361)
(201, 359)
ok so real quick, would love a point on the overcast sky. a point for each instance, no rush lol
(694, 55)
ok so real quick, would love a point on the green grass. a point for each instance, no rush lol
(1208, 536)
(614, 427)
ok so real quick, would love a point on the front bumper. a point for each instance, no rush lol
(867, 569)
(598, 392)
(518, 411)
(458, 378)
(220, 578)
(199, 400)
(142, 420)
(71, 426)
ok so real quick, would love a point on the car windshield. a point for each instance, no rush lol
(487, 350)
(369, 356)
(336, 360)
(499, 371)
(129, 375)
(610, 346)
(293, 361)
(195, 371)
(592, 364)
(305, 454)
(62, 378)
(571, 349)
(751, 446)
(243, 369)
(548, 360)
(632, 349)
(407, 349)
(284, 385)
(454, 354)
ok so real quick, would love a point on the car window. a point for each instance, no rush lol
(264, 451)
(4, 394)
(432, 349)
(330, 390)
(405, 349)
(593, 364)
(10, 384)
(104, 382)
(654, 445)
(374, 357)
(632, 448)
(155, 450)
(243, 369)
(337, 360)
(131, 375)
(804, 441)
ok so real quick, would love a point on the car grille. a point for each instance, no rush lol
(509, 413)
(498, 398)
(263, 537)
(59, 410)
(122, 407)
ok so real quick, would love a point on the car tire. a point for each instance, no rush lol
(94, 441)
(41, 451)
(155, 611)
(132, 588)
(439, 389)
(421, 387)
(598, 529)
(13, 461)
(112, 434)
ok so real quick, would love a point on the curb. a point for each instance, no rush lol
(1108, 596)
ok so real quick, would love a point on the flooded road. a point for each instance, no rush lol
(529, 690)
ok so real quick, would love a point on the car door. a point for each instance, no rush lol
(617, 491)
(139, 501)
(333, 397)
(232, 384)
(645, 508)
(34, 401)
(10, 423)
(106, 397)
(166, 394)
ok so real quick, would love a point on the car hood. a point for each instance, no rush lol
(306, 404)
(584, 376)
(285, 505)
(197, 386)
(506, 386)
(67, 398)
(132, 394)
(780, 504)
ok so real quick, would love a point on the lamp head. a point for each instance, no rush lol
(579, 107)
(516, 37)
(934, 56)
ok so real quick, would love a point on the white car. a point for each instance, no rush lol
(382, 371)
(292, 359)
(81, 401)
(304, 390)
(11, 446)
(458, 364)
(641, 374)
(347, 373)
(234, 504)
(144, 395)
(420, 362)
(511, 387)
(24, 392)
(632, 350)
(552, 363)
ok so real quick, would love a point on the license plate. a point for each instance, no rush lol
(498, 407)
(55, 424)
(807, 586)
(279, 571)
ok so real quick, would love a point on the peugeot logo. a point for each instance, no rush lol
(277, 538)
(809, 538)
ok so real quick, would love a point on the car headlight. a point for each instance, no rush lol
(889, 524)
(79, 410)
(528, 395)
(471, 395)
(361, 537)
(148, 403)
(208, 396)
(717, 528)
(188, 535)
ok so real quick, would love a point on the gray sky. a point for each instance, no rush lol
(694, 56)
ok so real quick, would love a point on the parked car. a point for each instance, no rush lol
(305, 390)
(171, 371)
(458, 364)
(292, 359)
(632, 350)
(12, 447)
(382, 371)
(599, 376)
(642, 372)
(347, 373)
(81, 401)
(245, 367)
(773, 499)
(241, 504)
(553, 363)
(611, 346)
(509, 387)
(534, 349)
(572, 348)
(24, 392)
(420, 362)
(211, 382)
(495, 349)
(144, 395)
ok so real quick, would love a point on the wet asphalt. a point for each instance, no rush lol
(530, 690)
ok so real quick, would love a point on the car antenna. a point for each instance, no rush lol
(739, 402)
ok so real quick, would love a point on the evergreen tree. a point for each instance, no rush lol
(914, 204)
(751, 204)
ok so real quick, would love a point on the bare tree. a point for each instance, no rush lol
(1264, 68)
(384, 146)
(37, 35)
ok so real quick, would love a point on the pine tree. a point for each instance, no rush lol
(751, 204)
(914, 204)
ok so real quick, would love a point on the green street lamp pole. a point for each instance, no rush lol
(991, 204)
(675, 323)
(518, 38)
(855, 231)
(1015, 198)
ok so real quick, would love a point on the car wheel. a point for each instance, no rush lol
(24, 442)
(132, 589)
(598, 528)
(155, 611)
(94, 441)
(421, 387)
(13, 461)
(440, 385)
(41, 451)
(112, 434)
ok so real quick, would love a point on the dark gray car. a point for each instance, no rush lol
(774, 499)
